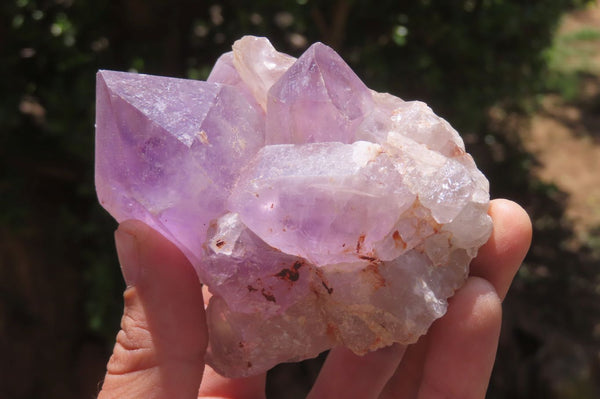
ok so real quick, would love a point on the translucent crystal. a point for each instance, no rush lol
(318, 212)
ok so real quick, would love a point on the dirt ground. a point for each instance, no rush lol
(564, 135)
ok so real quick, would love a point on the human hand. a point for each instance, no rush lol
(160, 349)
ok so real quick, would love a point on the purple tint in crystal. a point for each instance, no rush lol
(168, 150)
(318, 99)
(318, 212)
(253, 65)
(328, 202)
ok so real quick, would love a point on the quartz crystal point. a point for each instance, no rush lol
(318, 212)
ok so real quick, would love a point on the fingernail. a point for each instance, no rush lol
(128, 252)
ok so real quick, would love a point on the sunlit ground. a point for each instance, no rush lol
(564, 134)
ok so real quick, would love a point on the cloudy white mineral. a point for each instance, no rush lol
(317, 211)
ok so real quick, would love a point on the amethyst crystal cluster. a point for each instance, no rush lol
(317, 211)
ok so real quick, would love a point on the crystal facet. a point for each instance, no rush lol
(317, 211)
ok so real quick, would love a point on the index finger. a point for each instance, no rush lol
(499, 259)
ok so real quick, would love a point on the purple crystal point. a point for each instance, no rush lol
(318, 99)
(168, 150)
(316, 211)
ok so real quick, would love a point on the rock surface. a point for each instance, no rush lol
(318, 212)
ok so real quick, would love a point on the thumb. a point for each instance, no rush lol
(159, 352)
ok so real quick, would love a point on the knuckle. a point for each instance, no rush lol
(134, 348)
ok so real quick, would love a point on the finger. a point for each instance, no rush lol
(463, 344)
(499, 259)
(346, 375)
(406, 379)
(160, 349)
(461, 348)
(215, 385)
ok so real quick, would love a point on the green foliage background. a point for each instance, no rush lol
(60, 285)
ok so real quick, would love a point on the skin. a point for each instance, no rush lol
(159, 351)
